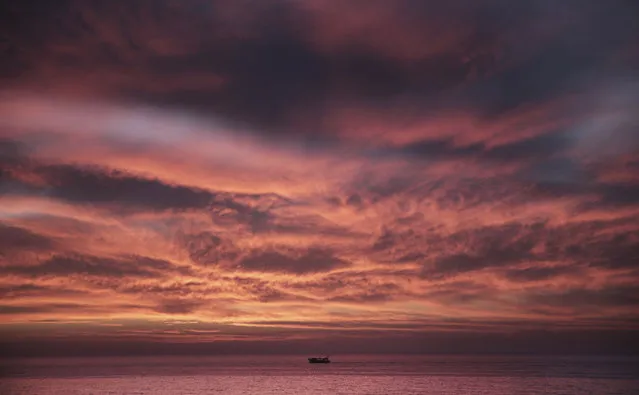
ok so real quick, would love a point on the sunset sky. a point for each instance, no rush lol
(319, 176)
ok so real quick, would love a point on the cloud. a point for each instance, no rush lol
(28, 309)
(541, 273)
(11, 152)
(178, 306)
(78, 265)
(538, 147)
(375, 296)
(13, 238)
(111, 188)
(487, 247)
(619, 296)
(28, 290)
(267, 292)
(209, 249)
(321, 51)
(512, 245)
(253, 212)
(619, 194)
(461, 293)
(351, 286)
(295, 262)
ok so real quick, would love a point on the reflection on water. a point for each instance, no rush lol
(346, 375)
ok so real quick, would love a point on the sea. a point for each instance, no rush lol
(347, 374)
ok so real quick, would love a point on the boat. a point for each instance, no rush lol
(319, 360)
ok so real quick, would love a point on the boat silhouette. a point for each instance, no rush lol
(319, 360)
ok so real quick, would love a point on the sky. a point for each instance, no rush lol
(314, 176)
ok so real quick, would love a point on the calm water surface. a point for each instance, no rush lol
(443, 375)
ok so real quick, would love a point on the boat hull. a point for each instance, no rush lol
(319, 360)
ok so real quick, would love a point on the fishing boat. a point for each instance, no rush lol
(319, 360)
